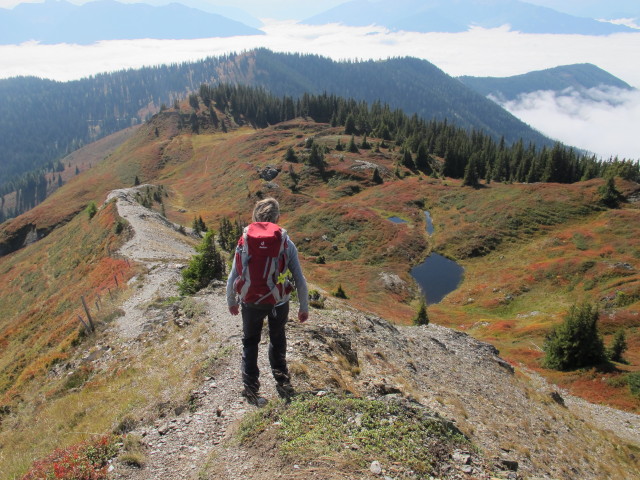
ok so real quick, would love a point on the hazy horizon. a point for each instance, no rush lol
(605, 126)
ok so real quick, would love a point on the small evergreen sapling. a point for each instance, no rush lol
(421, 318)
(575, 343)
(339, 293)
(205, 266)
(618, 347)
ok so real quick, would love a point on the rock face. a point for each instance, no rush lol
(268, 173)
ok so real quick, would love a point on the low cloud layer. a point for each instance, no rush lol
(603, 121)
(479, 52)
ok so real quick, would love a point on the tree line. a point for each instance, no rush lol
(465, 155)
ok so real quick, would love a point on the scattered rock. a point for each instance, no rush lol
(556, 397)
(375, 468)
(269, 172)
(510, 464)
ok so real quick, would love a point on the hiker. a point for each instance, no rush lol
(260, 297)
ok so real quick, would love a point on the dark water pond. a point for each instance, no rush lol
(429, 223)
(437, 275)
(397, 220)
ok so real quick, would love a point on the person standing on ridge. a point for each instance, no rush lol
(259, 286)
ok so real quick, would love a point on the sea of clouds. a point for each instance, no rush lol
(601, 121)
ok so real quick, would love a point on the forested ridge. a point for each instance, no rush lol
(470, 155)
(575, 77)
(43, 120)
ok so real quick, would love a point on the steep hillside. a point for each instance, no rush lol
(529, 251)
(67, 115)
(575, 77)
(462, 410)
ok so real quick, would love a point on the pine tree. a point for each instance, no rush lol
(618, 347)
(575, 343)
(339, 292)
(407, 160)
(421, 317)
(350, 125)
(290, 156)
(376, 177)
(205, 266)
(609, 194)
(471, 173)
(353, 148)
(423, 161)
(316, 158)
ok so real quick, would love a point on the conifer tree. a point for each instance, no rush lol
(618, 347)
(350, 125)
(423, 162)
(205, 266)
(421, 317)
(353, 148)
(339, 292)
(609, 194)
(290, 156)
(575, 343)
(376, 177)
(407, 160)
(316, 158)
(471, 173)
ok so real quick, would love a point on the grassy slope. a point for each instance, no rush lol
(544, 246)
(551, 247)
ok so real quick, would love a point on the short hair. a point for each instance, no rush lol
(266, 210)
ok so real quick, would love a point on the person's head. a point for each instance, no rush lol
(266, 210)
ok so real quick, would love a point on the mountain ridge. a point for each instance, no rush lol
(578, 77)
(547, 245)
(460, 15)
(70, 114)
(63, 22)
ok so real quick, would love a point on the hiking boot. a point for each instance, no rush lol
(285, 390)
(253, 397)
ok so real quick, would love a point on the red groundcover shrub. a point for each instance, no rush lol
(83, 461)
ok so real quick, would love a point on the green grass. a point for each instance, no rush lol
(356, 431)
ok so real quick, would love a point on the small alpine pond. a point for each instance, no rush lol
(437, 276)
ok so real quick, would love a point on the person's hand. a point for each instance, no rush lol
(234, 310)
(303, 316)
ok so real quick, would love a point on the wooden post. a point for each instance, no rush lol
(84, 304)
(86, 327)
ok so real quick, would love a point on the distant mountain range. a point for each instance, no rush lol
(54, 22)
(460, 15)
(578, 77)
(67, 115)
(611, 9)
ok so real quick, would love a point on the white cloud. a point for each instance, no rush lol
(480, 52)
(602, 120)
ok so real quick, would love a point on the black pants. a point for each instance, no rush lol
(252, 320)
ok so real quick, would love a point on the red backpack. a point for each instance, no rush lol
(261, 258)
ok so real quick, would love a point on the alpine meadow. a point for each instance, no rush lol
(120, 360)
